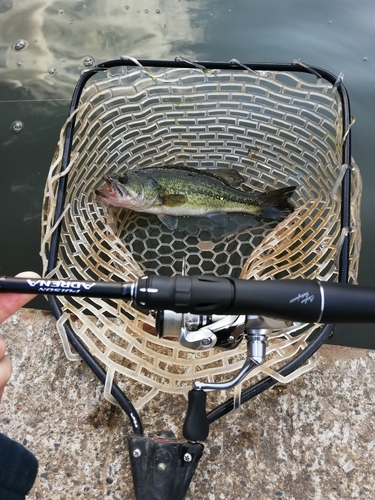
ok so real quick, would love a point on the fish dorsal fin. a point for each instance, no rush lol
(229, 175)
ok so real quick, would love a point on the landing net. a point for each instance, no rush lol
(276, 128)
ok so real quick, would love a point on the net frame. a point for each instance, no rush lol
(334, 245)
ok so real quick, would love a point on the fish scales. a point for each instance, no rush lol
(204, 193)
(171, 191)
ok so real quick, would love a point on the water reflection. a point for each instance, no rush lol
(45, 43)
(20, 188)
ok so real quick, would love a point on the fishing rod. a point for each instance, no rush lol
(206, 312)
(300, 300)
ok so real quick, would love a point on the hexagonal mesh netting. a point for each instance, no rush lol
(275, 129)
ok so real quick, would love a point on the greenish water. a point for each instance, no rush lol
(36, 84)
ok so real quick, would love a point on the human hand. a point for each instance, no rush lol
(9, 304)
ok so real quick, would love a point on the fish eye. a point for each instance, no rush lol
(123, 179)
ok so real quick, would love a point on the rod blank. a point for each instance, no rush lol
(299, 300)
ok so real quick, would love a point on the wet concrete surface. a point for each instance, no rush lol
(310, 439)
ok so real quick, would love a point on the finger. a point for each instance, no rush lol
(3, 347)
(11, 302)
(5, 373)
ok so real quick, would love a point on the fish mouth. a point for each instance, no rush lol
(109, 190)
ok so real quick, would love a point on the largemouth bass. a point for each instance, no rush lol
(171, 191)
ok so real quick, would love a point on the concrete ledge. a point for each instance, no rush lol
(312, 439)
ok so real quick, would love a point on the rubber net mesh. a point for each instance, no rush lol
(276, 129)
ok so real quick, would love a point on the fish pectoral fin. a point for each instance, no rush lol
(173, 200)
(169, 221)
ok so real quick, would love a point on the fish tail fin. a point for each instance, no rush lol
(276, 204)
